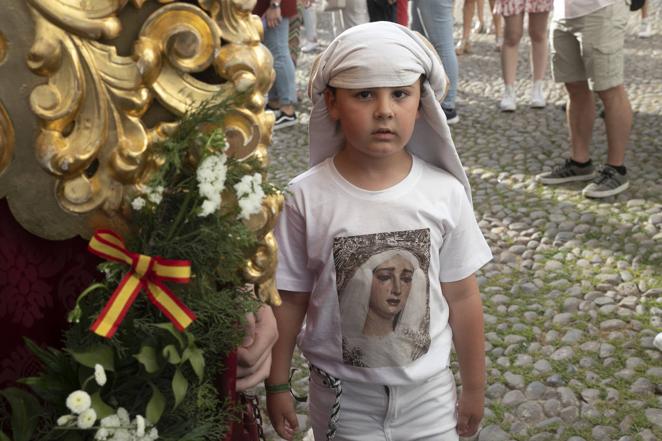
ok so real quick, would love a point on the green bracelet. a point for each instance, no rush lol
(276, 388)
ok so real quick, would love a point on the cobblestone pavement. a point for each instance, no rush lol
(573, 297)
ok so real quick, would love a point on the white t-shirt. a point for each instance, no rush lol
(373, 262)
(577, 8)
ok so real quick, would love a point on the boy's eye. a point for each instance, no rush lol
(364, 94)
(400, 93)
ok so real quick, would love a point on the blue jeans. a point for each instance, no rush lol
(437, 26)
(284, 89)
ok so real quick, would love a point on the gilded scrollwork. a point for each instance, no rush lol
(7, 139)
(92, 136)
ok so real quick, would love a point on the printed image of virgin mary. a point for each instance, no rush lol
(384, 311)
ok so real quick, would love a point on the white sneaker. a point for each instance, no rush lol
(657, 341)
(309, 46)
(645, 29)
(537, 95)
(508, 101)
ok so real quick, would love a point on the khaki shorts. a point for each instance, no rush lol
(590, 47)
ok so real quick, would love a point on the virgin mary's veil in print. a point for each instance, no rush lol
(410, 338)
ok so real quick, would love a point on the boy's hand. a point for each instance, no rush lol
(254, 354)
(470, 407)
(282, 414)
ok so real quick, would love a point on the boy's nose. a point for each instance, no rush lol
(383, 109)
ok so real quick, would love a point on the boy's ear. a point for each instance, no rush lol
(330, 100)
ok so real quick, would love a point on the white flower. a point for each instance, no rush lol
(78, 401)
(121, 435)
(123, 415)
(140, 425)
(153, 434)
(155, 194)
(102, 434)
(211, 176)
(110, 421)
(250, 204)
(208, 207)
(138, 203)
(87, 419)
(65, 419)
(250, 195)
(99, 374)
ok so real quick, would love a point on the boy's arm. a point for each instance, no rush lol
(466, 321)
(289, 316)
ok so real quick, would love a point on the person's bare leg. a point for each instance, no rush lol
(480, 13)
(464, 45)
(512, 35)
(580, 114)
(618, 122)
(496, 23)
(539, 47)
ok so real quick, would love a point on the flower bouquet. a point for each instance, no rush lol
(147, 344)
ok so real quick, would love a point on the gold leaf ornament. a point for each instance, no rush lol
(7, 139)
(91, 135)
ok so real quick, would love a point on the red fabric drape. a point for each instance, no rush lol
(39, 282)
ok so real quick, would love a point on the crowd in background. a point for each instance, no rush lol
(586, 41)
(290, 28)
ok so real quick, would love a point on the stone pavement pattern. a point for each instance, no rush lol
(572, 298)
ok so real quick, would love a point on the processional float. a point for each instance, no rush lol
(88, 88)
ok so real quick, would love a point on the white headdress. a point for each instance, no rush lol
(384, 54)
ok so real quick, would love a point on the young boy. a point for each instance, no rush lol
(378, 250)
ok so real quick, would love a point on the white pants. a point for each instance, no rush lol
(373, 412)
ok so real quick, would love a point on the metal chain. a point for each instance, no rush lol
(255, 406)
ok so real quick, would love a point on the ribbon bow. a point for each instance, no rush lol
(146, 272)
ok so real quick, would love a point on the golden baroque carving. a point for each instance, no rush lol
(6, 139)
(3, 47)
(92, 136)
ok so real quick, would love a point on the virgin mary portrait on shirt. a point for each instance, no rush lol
(384, 309)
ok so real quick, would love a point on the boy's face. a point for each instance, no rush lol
(376, 122)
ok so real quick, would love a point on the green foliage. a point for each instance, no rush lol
(25, 412)
(153, 369)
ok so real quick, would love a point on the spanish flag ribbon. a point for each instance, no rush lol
(146, 273)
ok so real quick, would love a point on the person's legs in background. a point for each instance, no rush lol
(645, 27)
(309, 28)
(480, 14)
(283, 90)
(590, 48)
(539, 56)
(434, 19)
(513, 29)
(380, 10)
(355, 13)
(498, 28)
(580, 114)
(464, 45)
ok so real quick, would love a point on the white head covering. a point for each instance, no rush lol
(384, 54)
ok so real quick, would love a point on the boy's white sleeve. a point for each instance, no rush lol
(464, 249)
(292, 272)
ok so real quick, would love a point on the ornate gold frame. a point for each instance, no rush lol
(88, 123)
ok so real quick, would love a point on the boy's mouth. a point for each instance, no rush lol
(383, 131)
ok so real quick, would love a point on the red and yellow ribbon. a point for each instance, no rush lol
(146, 273)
